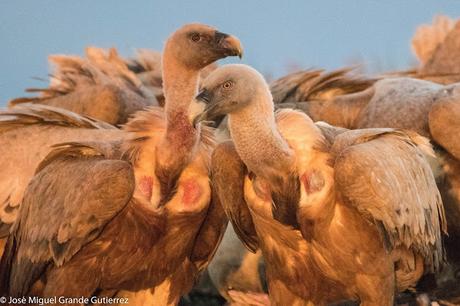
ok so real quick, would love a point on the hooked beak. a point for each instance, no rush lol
(230, 44)
(210, 111)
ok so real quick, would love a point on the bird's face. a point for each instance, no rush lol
(229, 89)
(198, 45)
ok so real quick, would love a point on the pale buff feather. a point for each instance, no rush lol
(428, 37)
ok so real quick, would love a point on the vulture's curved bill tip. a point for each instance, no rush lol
(230, 43)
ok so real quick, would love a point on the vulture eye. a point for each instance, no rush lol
(227, 85)
(195, 37)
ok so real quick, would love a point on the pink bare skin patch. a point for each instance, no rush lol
(145, 186)
(313, 181)
(192, 192)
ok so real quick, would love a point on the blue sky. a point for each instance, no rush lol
(275, 34)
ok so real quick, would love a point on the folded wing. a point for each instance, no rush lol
(76, 192)
(384, 174)
(228, 173)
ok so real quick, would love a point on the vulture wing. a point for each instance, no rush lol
(33, 128)
(317, 85)
(77, 190)
(228, 173)
(108, 103)
(444, 123)
(285, 89)
(383, 173)
(210, 234)
(31, 114)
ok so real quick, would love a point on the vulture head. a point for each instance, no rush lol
(198, 45)
(230, 89)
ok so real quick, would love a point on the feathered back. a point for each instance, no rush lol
(29, 114)
(318, 85)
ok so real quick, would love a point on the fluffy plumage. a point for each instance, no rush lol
(100, 86)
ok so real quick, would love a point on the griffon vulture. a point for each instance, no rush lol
(432, 110)
(351, 219)
(128, 215)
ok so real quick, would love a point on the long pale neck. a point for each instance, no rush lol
(180, 85)
(179, 143)
(258, 141)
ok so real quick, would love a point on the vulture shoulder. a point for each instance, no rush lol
(444, 123)
(384, 175)
(76, 191)
(228, 173)
(314, 176)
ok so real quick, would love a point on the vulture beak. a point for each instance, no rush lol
(229, 44)
(211, 109)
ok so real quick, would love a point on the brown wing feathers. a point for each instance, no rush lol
(286, 195)
(210, 234)
(318, 85)
(99, 85)
(228, 172)
(43, 114)
(398, 191)
(64, 187)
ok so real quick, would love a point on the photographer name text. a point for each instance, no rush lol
(62, 300)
